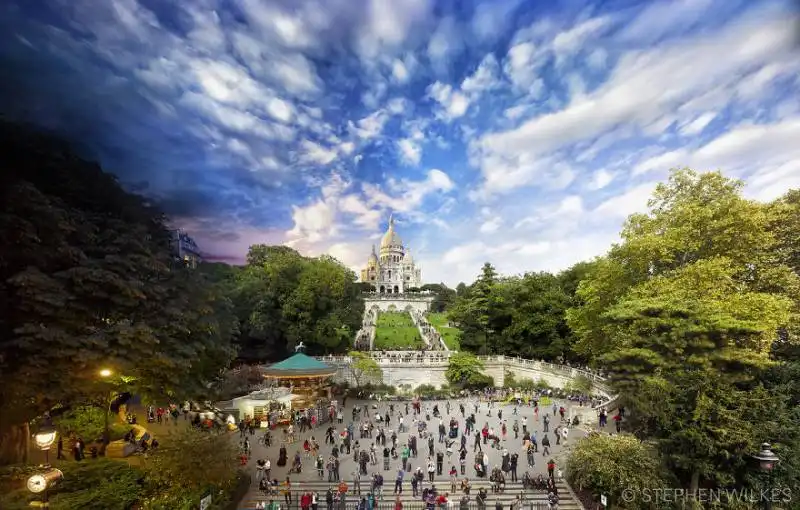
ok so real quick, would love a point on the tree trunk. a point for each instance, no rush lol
(695, 483)
(15, 444)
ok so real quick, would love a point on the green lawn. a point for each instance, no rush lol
(396, 331)
(449, 335)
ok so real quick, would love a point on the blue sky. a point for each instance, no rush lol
(517, 132)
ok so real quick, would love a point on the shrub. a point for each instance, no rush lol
(88, 422)
(606, 464)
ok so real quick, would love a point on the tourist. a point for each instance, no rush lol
(545, 446)
(287, 492)
(398, 482)
(431, 469)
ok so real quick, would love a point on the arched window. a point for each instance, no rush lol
(390, 274)
(383, 289)
(396, 289)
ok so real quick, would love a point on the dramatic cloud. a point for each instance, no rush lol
(506, 132)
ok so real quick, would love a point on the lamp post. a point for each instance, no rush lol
(105, 374)
(766, 462)
(44, 439)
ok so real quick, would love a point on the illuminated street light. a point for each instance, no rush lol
(766, 462)
(45, 437)
(105, 373)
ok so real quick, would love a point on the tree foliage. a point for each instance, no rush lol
(683, 313)
(88, 280)
(519, 316)
(364, 368)
(282, 298)
(609, 464)
(465, 370)
(190, 461)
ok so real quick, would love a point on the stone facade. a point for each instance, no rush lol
(393, 271)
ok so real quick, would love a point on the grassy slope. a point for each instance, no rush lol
(449, 335)
(396, 331)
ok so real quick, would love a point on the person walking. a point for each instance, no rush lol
(545, 446)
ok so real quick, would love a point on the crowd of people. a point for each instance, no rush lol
(414, 443)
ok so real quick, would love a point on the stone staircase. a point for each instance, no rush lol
(533, 500)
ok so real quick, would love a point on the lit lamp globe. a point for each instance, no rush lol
(45, 437)
(105, 373)
(766, 458)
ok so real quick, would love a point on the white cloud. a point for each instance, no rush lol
(634, 200)
(484, 78)
(643, 88)
(315, 153)
(661, 18)
(491, 225)
(370, 126)
(388, 24)
(597, 59)
(444, 45)
(492, 17)
(697, 125)
(600, 179)
(410, 151)
(454, 103)
(566, 44)
(743, 149)
(399, 71)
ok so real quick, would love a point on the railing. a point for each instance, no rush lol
(398, 297)
(443, 357)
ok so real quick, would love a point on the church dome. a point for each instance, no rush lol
(373, 258)
(390, 238)
(408, 259)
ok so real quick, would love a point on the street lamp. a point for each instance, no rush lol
(44, 439)
(766, 462)
(105, 374)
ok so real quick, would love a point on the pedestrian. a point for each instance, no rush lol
(545, 446)
(398, 482)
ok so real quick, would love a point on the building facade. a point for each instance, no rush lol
(392, 269)
(184, 248)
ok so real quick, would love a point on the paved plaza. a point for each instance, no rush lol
(309, 478)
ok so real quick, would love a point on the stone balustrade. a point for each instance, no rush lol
(414, 367)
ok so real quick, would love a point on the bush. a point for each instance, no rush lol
(99, 484)
(606, 464)
(88, 422)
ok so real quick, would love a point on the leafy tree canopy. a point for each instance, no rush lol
(283, 298)
(88, 281)
(365, 369)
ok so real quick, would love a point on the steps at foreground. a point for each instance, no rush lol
(534, 500)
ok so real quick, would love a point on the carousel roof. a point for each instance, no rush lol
(299, 365)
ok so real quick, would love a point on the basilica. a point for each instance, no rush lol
(393, 271)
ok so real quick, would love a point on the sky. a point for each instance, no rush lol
(516, 132)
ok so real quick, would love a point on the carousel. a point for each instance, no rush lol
(307, 378)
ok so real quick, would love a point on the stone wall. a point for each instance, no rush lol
(414, 369)
(398, 302)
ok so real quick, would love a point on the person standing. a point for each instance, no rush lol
(398, 482)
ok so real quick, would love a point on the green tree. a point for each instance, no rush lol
(364, 368)
(283, 298)
(481, 313)
(466, 370)
(602, 464)
(88, 281)
(537, 326)
(684, 312)
(178, 479)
